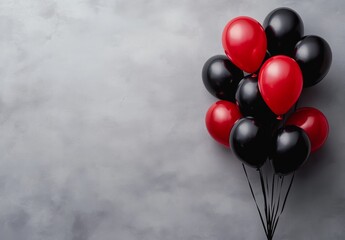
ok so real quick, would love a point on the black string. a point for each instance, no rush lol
(273, 204)
(286, 196)
(251, 190)
(268, 197)
(281, 179)
(268, 189)
(269, 205)
(267, 210)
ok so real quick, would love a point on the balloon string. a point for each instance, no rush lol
(272, 205)
(268, 193)
(286, 196)
(272, 200)
(267, 212)
(273, 180)
(281, 180)
(268, 189)
(257, 206)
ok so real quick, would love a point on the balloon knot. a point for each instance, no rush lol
(280, 117)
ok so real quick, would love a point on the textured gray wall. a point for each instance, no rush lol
(102, 124)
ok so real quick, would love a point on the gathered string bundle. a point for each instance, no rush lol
(275, 191)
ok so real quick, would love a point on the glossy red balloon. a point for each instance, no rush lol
(313, 122)
(244, 42)
(280, 83)
(220, 118)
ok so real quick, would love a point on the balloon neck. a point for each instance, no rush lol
(254, 75)
(280, 117)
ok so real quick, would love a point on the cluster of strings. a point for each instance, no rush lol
(275, 191)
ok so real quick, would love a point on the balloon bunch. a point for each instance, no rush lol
(259, 82)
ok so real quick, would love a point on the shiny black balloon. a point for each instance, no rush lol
(314, 56)
(248, 140)
(291, 148)
(250, 101)
(284, 28)
(221, 77)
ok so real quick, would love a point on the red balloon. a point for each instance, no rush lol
(244, 42)
(313, 122)
(220, 118)
(280, 83)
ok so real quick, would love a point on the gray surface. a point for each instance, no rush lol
(102, 124)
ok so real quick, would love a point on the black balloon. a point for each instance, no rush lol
(284, 28)
(248, 140)
(221, 77)
(314, 56)
(250, 101)
(291, 148)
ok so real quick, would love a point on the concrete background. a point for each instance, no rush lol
(102, 130)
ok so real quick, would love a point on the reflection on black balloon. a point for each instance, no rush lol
(291, 148)
(221, 77)
(250, 101)
(314, 56)
(284, 28)
(248, 140)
